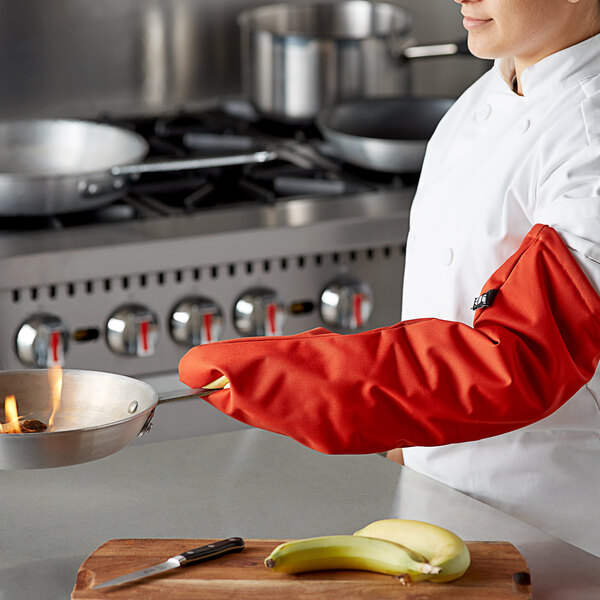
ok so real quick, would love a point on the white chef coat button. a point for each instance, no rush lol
(447, 256)
(524, 125)
(483, 113)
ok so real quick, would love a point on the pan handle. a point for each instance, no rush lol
(116, 178)
(406, 48)
(217, 385)
(173, 397)
(188, 164)
(185, 395)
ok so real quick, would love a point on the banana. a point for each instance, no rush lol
(440, 547)
(347, 552)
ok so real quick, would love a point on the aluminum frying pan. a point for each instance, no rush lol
(383, 134)
(99, 414)
(54, 166)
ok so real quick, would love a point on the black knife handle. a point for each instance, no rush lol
(234, 544)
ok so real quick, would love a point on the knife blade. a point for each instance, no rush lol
(213, 550)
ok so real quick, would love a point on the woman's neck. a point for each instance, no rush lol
(586, 31)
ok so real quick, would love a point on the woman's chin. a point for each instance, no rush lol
(482, 47)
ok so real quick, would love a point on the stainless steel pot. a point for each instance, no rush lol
(298, 58)
(99, 414)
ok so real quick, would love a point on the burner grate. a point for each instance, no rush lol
(303, 168)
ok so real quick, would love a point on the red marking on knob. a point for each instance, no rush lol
(357, 304)
(55, 340)
(272, 318)
(207, 318)
(144, 329)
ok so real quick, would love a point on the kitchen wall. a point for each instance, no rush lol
(89, 57)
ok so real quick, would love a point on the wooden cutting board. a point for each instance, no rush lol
(243, 575)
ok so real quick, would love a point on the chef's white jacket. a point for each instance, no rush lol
(498, 164)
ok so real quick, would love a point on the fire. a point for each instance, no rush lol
(55, 375)
(11, 414)
(10, 408)
(16, 423)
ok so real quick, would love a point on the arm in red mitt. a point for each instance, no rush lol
(425, 382)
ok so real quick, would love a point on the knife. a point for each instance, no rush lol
(214, 550)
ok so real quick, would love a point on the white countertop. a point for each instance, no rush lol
(246, 483)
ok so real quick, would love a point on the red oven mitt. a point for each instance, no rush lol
(425, 382)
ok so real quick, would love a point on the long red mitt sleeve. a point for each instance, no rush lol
(425, 382)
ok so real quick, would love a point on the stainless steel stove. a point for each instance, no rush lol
(261, 249)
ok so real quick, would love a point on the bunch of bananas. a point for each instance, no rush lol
(422, 551)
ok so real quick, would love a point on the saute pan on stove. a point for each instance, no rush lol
(383, 134)
(54, 166)
(99, 414)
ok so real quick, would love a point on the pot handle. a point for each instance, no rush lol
(173, 397)
(117, 175)
(189, 164)
(406, 48)
(185, 395)
(214, 386)
(147, 426)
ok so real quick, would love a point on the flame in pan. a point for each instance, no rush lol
(11, 415)
(10, 408)
(16, 423)
(55, 375)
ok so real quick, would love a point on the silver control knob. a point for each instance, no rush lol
(132, 330)
(259, 311)
(196, 320)
(42, 341)
(346, 303)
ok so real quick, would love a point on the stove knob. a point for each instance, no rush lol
(42, 341)
(132, 330)
(196, 320)
(259, 311)
(346, 303)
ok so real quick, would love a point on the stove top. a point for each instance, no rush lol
(305, 166)
(237, 243)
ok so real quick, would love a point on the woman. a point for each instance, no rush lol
(501, 402)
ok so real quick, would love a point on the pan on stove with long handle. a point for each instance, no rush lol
(383, 134)
(54, 166)
(98, 415)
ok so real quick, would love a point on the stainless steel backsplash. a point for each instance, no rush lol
(86, 58)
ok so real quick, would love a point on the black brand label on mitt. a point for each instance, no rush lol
(485, 300)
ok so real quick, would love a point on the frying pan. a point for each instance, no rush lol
(54, 166)
(99, 414)
(383, 134)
